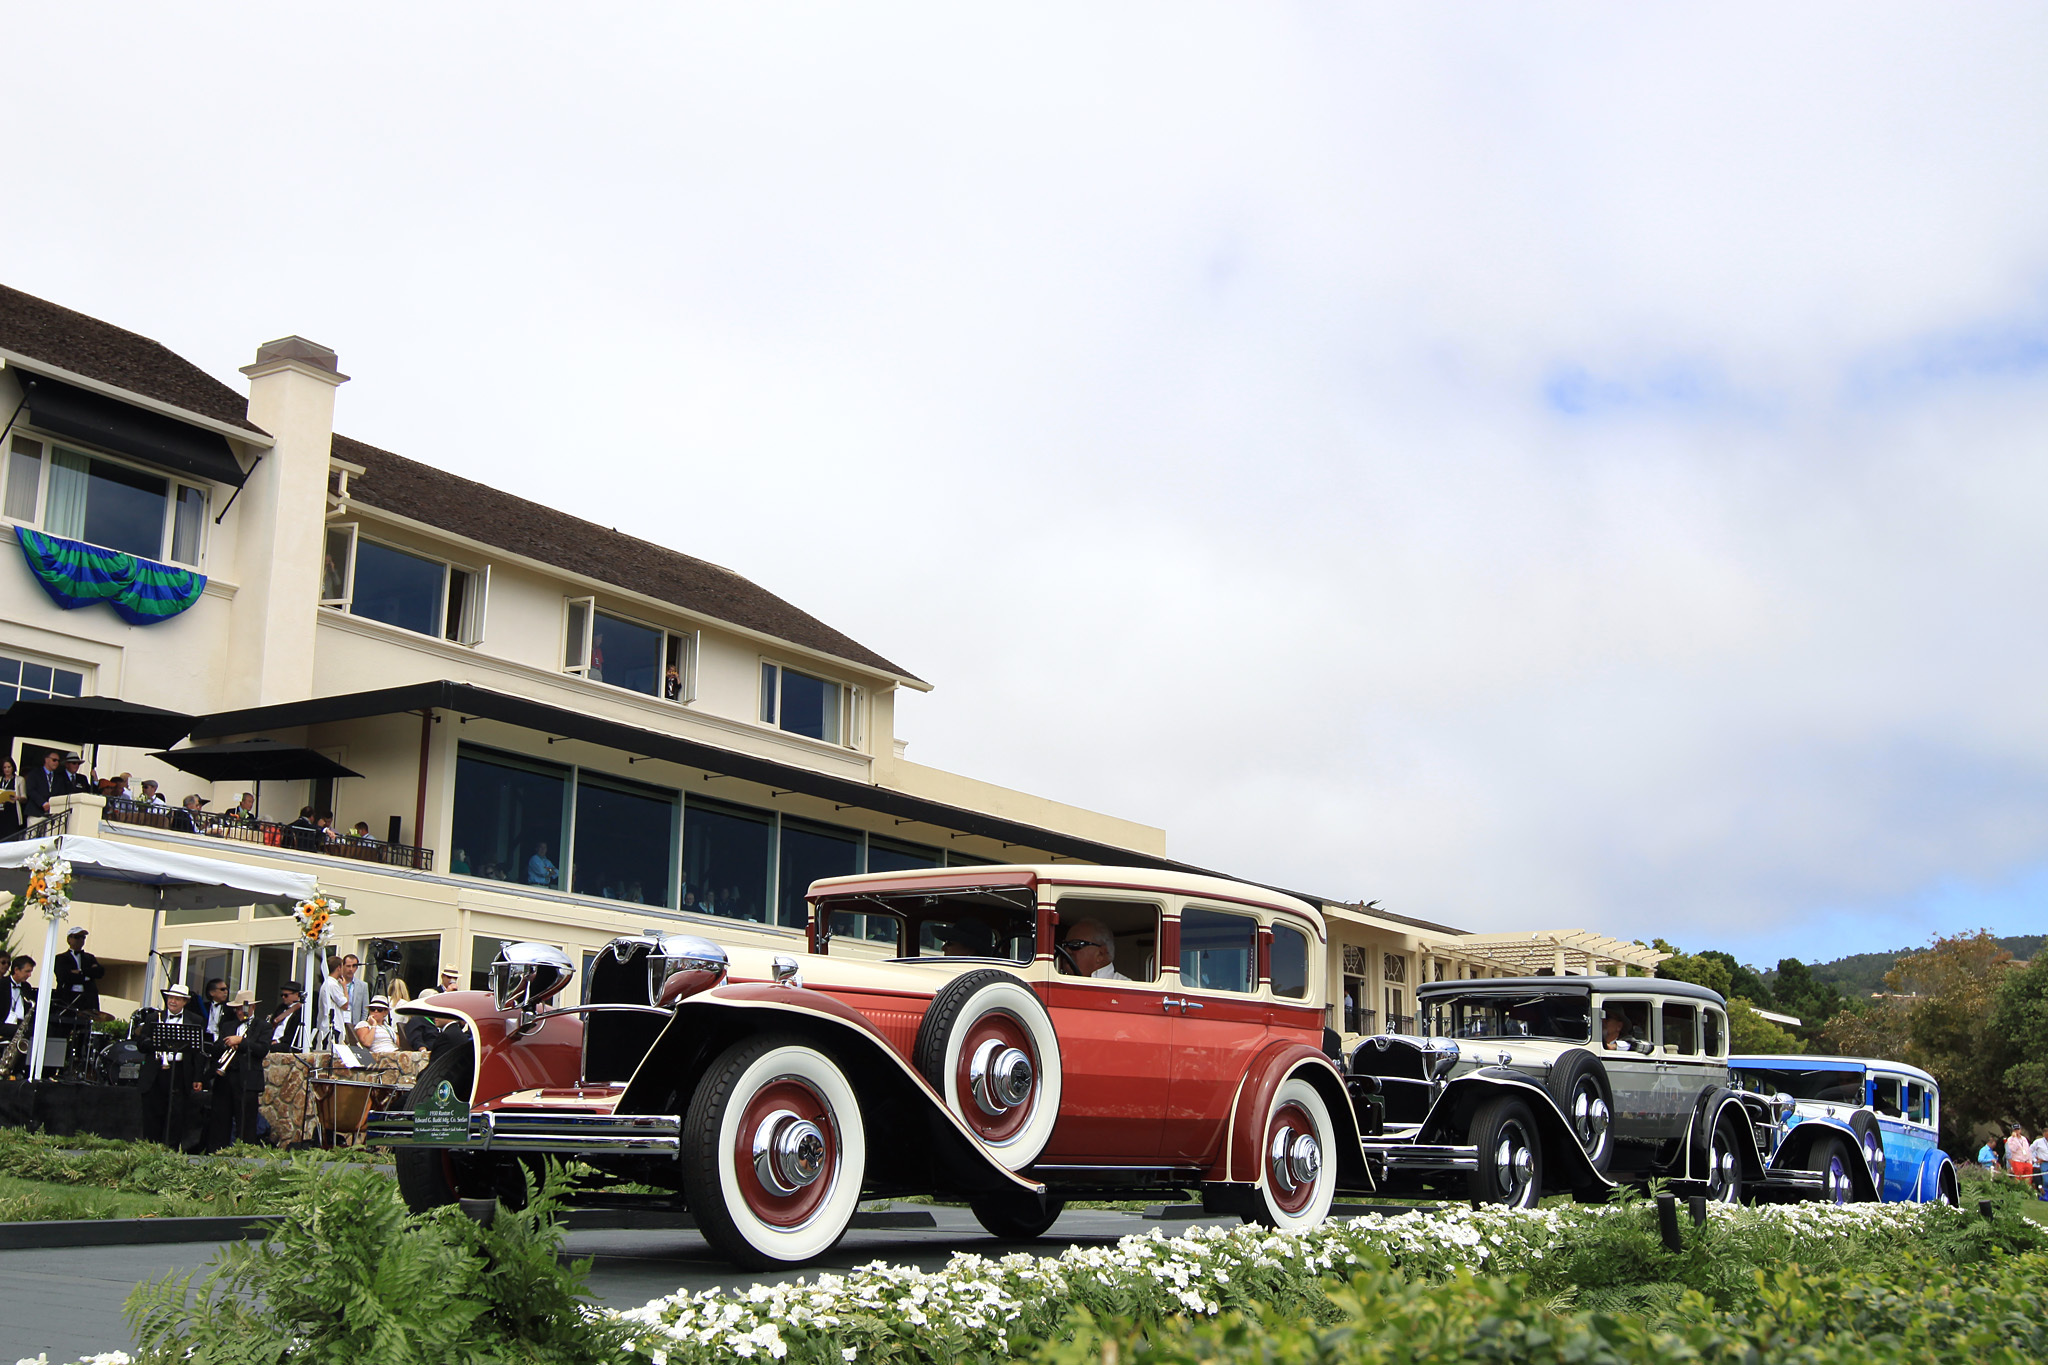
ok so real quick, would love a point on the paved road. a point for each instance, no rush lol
(68, 1302)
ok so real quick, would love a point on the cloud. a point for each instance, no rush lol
(1576, 466)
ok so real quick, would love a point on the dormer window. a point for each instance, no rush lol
(402, 588)
(814, 707)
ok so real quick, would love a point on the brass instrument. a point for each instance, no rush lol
(16, 1054)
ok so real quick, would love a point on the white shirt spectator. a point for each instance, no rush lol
(334, 1012)
(2041, 1149)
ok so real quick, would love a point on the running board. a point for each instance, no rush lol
(1422, 1158)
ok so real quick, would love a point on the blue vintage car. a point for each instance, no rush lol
(1872, 1126)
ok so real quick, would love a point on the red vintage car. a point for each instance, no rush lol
(1011, 1036)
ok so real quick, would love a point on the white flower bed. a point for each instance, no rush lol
(977, 1306)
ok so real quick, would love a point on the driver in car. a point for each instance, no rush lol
(1088, 945)
(1617, 1033)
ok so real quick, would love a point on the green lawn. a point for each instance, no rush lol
(36, 1201)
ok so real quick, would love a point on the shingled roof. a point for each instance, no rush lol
(479, 512)
(65, 340)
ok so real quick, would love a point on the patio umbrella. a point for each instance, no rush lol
(254, 760)
(95, 721)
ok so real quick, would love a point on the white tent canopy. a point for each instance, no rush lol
(148, 878)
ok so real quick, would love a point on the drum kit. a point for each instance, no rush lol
(76, 1051)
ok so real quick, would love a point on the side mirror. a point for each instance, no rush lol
(526, 976)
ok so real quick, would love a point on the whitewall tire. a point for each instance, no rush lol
(1297, 1160)
(987, 1046)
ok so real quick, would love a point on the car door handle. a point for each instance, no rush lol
(1185, 1005)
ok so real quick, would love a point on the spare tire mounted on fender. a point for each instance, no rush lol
(987, 1046)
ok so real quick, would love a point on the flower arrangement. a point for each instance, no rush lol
(313, 914)
(49, 883)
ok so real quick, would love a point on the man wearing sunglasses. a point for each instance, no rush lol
(1089, 945)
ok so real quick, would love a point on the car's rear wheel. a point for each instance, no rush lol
(774, 1151)
(987, 1045)
(1580, 1087)
(1016, 1216)
(1510, 1154)
(1831, 1157)
(1724, 1165)
(1297, 1160)
(1946, 1190)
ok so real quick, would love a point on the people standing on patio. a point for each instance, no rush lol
(230, 1117)
(46, 781)
(170, 1080)
(75, 782)
(333, 1014)
(13, 795)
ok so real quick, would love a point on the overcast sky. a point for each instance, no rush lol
(1532, 466)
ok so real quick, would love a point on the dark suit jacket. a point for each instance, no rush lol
(291, 1041)
(9, 992)
(39, 786)
(85, 977)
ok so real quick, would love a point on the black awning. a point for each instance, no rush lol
(113, 425)
(465, 699)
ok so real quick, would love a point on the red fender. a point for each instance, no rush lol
(1272, 1065)
(546, 1057)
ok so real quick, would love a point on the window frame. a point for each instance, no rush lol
(852, 721)
(469, 628)
(1255, 988)
(690, 640)
(25, 658)
(174, 484)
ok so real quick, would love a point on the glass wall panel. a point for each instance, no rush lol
(397, 588)
(625, 841)
(509, 818)
(625, 654)
(124, 509)
(726, 851)
(808, 853)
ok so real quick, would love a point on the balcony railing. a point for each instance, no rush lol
(269, 833)
(47, 826)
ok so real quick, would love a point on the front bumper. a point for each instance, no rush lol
(541, 1131)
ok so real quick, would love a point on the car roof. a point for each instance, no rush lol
(1082, 876)
(1573, 985)
(1791, 1061)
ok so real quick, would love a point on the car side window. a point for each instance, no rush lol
(1884, 1096)
(1130, 928)
(1681, 1030)
(1219, 950)
(1916, 1102)
(1710, 1019)
(1290, 962)
(1624, 1025)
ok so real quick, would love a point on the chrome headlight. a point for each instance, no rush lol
(681, 965)
(1446, 1058)
(526, 976)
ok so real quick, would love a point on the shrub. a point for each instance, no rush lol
(351, 1278)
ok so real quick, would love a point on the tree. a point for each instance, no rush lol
(1954, 983)
(1750, 1032)
(1702, 969)
(1743, 981)
(2019, 1021)
(1812, 1001)
(1878, 1030)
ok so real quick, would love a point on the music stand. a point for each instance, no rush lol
(175, 1040)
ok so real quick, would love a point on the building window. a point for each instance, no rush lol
(611, 649)
(814, 707)
(1290, 962)
(1397, 968)
(104, 502)
(809, 852)
(625, 840)
(727, 852)
(510, 817)
(26, 678)
(400, 588)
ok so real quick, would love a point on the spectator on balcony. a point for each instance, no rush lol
(77, 783)
(244, 812)
(13, 799)
(186, 817)
(459, 864)
(540, 869)
(304, 832)
(361, 832)
(672, 684)
(152, 793)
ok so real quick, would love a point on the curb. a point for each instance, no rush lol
(115, 1232)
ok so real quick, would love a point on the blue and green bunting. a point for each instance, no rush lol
(77, 575)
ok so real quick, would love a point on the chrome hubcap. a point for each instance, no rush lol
(1722, 1157)
(789, 1152)
(1838, 1181)
(1294, 1159)
(1513, 1166)
(1000, 1077)
(1590, 1118)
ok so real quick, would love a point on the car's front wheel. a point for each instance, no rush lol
(1724, 1166)
(1510, 1154)
(429, 1177)
(1831, 1157)
(1946, 1190)
(774, 1152)
(1297, 1160)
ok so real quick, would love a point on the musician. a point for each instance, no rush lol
(17, 996)
(216, 1010)
(172, 1082)
(240, 1045)
(78, 978)
(287, 1026)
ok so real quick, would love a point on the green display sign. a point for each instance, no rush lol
(442, 1118)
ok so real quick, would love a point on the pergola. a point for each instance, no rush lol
(1558, 952)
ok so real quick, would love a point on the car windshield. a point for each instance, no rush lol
(991, 922)
(1499, 1014)
(1801, 1083)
